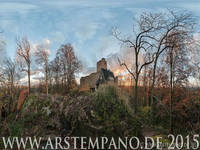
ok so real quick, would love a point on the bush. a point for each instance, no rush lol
(112, 113)
(102, 113)
(145, 113)
(16, 129)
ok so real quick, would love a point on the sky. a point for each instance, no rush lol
(86, 24)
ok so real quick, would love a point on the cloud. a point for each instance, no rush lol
(45, 44)
(112, 61)
(86, 31)
(16, 7)
(125, 55)
(88, 70)
(191, 5)
(87, 3)
(58, 36)
(36, 76)
(105, 46)
(84, 23)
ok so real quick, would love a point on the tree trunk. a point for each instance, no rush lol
(153, 80)
(47, 87)
(136, 81)
(29, 79)
(145, 86)
(136, 94)
(171, 92)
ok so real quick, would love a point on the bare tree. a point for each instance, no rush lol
(173, 24)
(50, 77)
(24, 57)
(42, 57)
(70, 63)
(179, 67)
(147, 25)
(55, 66)
(10, 73)
(146, 79)
(11, 76)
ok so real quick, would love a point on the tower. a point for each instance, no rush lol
(101, 64)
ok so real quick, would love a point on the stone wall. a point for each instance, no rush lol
(101, 64)
(89, 82)
(84, 83)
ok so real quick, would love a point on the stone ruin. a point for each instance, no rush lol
(102, 76)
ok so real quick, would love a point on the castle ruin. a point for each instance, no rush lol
(102, 76)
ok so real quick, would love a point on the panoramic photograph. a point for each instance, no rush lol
(99, 74)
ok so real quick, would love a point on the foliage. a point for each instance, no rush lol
(112, 113)
(184, 106)
(16, 128)
(145, 113)
(98, 114)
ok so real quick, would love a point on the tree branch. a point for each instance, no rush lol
(124, 64)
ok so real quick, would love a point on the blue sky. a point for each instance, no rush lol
(86, 24)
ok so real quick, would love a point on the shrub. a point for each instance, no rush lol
(16, 129)
(102, 113)
(112, 113)
(145, 113)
